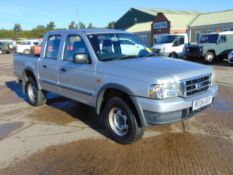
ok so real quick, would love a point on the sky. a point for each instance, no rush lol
(99, 12)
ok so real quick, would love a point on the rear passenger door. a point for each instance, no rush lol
(76, 81)
(49, 65)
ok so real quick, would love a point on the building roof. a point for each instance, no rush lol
(213, 18)
(180, 21)
(140, 27)
(155, 11)
(141, 15)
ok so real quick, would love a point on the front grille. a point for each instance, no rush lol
(197, 85)
(194, 50)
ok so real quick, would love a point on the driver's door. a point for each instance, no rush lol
(178, 45)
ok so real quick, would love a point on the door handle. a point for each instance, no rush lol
(63, 69)
(44, 66)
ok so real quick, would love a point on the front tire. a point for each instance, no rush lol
(120, 122)
(173, 55)
(209, 57)
(35, 96)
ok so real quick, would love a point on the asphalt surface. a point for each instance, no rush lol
(65, 137)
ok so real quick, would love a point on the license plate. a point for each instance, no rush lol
(202, 103)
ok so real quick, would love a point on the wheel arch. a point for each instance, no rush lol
(211, 50)
(113, 89)
(173, 52)
(28, 72)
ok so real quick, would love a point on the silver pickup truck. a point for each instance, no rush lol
(117, 74)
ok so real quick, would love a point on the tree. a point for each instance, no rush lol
(111, 25)
(17, 28)
(51, 25)
(81, 25)
(39, 27)
(39, 31)
(72, 25)
(90, 26)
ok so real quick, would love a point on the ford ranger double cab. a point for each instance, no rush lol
(131, 90)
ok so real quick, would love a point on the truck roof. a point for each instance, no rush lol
(87, 31)
(220, 33)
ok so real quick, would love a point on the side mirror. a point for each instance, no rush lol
(81, 58)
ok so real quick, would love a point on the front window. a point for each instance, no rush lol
(74, 45)
(213, 38)
(117, 46)
(165, 39)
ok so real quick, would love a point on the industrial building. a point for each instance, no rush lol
(147, 23)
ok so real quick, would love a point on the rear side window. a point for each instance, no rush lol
(52, 47)
(36, 43)
(126, 42)
(223, 39)
(74, 45)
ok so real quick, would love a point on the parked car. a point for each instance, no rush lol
(211, 47)
(26, 46)
(12, 43)
(5, 48)
(171, 45)
(230, 58)
(129, 47)
(129, 91)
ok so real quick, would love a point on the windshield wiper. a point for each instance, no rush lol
(126, 57)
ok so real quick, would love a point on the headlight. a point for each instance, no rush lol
(212, 78)
(162, 91)
(162, 50)
(230, 55)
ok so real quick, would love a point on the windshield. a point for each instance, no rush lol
(213, 38)
(165, 39)
(3, 43)
(117, 46)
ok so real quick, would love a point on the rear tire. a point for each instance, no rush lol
(35, 96)
(120, 122)
(209, 57)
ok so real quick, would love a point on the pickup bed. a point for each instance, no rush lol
(126, 84)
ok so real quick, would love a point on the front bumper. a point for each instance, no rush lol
(171, 110)
(193, 54)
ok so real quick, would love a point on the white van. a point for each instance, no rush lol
(171, 45)
(26, 45)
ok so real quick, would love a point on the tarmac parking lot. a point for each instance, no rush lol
(65, 137)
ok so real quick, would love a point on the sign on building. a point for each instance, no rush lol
(160, 25)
